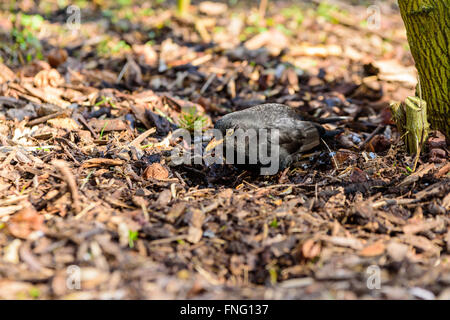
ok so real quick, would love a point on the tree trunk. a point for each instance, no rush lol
(427, 25)
(183, 6)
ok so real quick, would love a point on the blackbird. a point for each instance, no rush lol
(295, 133)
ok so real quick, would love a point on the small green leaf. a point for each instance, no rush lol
(132, 236)
(274, 223)
(103, 129)
(34, 293)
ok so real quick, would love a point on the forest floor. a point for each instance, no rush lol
(88, 191)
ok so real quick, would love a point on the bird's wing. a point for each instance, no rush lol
(296, 135)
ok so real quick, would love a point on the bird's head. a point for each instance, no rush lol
(225, 123)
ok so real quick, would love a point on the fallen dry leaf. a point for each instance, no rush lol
(311, 249)
(397, 251)
(46, 78)
(155, 171)
(442, 171)
(212, 8)
(107, 125)
(145, 55)
(97, 162)
(64, 123)
(6, 74)
(25, 222)
(372, 250)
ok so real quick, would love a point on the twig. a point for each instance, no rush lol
(370, 137)
(207, 83)
(262, 9)
(85, 210)
(45, 118)
(122, 72)
(332, 155)
(71, 182)
(137, 142)
(97, 162)
(83, 121)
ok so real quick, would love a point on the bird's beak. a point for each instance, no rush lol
(212, 144)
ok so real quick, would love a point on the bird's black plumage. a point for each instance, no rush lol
(295, 135)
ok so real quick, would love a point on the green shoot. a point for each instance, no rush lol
(103, 129)
(147, 146)
(34, 293)
(86, 179)
(191, 120)
(106, 100)
(273, 275)
(132, 237)
(274, 223)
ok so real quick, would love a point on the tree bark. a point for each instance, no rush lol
(183, 6)
(427, 25)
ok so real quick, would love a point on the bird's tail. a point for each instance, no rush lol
(331, 119)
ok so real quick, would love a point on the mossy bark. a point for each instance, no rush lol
(427, 25)
(411, 120)
(183, 6)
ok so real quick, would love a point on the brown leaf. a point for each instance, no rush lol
(5, 74)
(397, 251)
(446, 202)
(273, 39)
(422, 226)
(380, 143)
(155, 171)
(164, 197)
(343, 242)
(46, 78)
(64, 123)
(195, 219)
(146, 55)
(25, 222)
(133, 73)
(107, 124)
(311, 249)
(442, 171)
(374, 249)
(305, 49)
(212, 8)
(358, 176)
